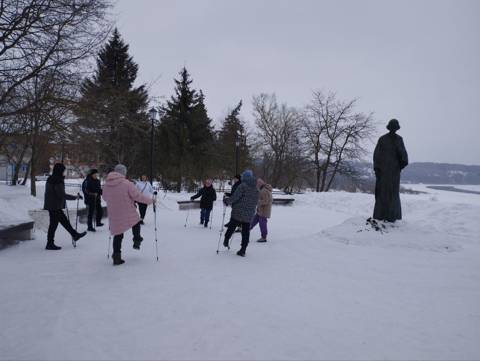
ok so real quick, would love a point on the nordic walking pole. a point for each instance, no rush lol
(211, 218)
(76, 214)
(155, 219)
(94, 213)
(109, 241)
(74, 243)
(186, 219)
(221, 230)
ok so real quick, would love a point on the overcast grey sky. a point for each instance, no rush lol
(417, 61)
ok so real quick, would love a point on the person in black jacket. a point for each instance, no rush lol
(54, 203)
(209, 196)
(92, 191)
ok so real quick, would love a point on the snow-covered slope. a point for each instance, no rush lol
(324, 287)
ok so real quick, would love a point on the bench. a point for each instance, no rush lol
(182, 205)
(10, 235)
(283, 201)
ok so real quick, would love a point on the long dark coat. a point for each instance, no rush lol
(55, 196)
(93, 186)
(244, 200)
(389, 158)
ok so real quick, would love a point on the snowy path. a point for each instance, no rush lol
(304, 295)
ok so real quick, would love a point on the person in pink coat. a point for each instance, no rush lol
(121, 195)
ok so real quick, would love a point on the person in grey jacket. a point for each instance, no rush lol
(244, 202)
(54, 203)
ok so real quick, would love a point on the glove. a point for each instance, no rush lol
(225, 199)
(155, 193)
(191, 198)
(79, 196)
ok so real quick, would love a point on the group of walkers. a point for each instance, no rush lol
(250, 199)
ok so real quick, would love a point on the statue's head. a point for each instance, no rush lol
(393, 125)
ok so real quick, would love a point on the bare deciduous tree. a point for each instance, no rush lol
(278, 127)
(334, 133)
(41, 36)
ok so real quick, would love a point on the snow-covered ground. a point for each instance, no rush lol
(325, 286)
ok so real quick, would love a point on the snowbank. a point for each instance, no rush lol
(15, 204)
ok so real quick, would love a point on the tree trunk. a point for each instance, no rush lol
(27, 172)
(33, 188)
(317, 173)
(324, 174)
(18, 165)
(337, 164)
(16, 171)
(33, 168)
(334, 173)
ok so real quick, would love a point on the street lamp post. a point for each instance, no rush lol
(153, 115)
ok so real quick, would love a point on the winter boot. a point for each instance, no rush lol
(137, 242)
(77, 236)
(52, 247)
(262, 240)
(225, 243)
(206, 225)
(117, 259)
(100, 224)
(241, 252)
(91, 229)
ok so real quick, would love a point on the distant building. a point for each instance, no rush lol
(7, 168)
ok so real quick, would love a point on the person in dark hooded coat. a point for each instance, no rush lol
(389, 158)
(244, 202)
(54, 203)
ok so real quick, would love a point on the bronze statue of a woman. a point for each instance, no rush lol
(389, 158)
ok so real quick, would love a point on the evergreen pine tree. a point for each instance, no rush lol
(112, 112)
(232, 129)
(185, 134)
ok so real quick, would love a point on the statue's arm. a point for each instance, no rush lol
(402, 154)
(376, 159)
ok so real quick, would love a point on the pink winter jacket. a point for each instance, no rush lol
(121, 195)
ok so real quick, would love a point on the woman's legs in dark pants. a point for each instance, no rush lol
(205, 216)
(56, 217)
(142, 209)
(245, 233)
(117, 239)
(91, 211)
(98, 211)
(231, 228)
(245, 236)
